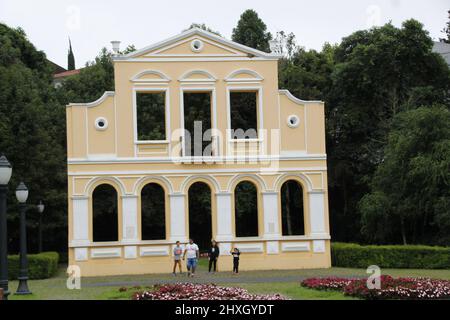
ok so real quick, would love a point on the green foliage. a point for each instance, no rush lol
(411, 187)
(32, 135)
(393, 256)
(40, 266)
(203, 27)
(151, 121)
(251, 31)
(377, 74)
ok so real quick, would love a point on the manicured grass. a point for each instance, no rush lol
(285, 282)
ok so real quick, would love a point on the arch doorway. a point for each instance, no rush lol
(200, 222)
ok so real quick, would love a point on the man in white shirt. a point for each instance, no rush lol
(193, 254)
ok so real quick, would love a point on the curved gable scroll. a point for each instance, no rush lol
(244, 75)
(150, 76)
(95, 103)
(197, 76)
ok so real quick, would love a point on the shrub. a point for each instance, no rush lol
(392, 256)
(391, 288)
(40, 266)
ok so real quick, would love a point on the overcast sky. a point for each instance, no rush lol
(91, 24)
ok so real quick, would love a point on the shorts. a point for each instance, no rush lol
(177, 258)
(191, 263)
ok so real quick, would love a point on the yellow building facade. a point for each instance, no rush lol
(108, 148)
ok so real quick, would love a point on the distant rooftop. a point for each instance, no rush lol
(66, 73)
(443, 49)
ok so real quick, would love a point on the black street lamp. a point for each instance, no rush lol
(22, 196)
(40, 209)
(5, 175)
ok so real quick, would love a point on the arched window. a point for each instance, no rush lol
(292, 215)
(105, 224)
(153, 212)
(200, 225)
(246, 209)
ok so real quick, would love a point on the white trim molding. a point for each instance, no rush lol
(291, 97)
(295, 246)
(154, 251)
(166, 91)
(232, 75)
(209, 76)
(104, 253)
(137, 77)
(198, 32)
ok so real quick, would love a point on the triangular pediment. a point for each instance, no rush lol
(197, 42)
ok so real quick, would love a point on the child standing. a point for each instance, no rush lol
(235, 253)
(177, 251)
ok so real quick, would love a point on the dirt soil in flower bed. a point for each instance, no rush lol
(192, 291)
(391, 288)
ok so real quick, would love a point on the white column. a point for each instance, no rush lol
(224, 217)
(129, 218)
(80, 220)
(270, 207)
(317, 213)
(177, 217)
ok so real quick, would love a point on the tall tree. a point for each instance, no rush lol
(379, 73)
(446, 30)
(410, 192)
(32, 136)
(70, 58)
(252, 31)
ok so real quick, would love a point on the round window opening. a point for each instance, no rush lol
(293, 121)
(197, 45)
(101, 124)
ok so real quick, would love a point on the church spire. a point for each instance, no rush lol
(70, 58)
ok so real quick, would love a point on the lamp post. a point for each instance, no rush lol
(22, 196)
(40, 209)
(5, 175)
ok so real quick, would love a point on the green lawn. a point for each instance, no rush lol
(286, 282)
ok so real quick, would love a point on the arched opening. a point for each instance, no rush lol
(153, 212)
(292, 215)
(200, 222)
(246, 209)
(105, 217)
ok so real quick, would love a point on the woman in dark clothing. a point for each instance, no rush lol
(213, 255)
(235, 253)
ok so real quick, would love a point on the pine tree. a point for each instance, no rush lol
(251, 31)
(70, 58)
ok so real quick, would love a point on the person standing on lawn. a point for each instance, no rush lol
(192, 254)
(177, 252)
(235, 253)
(213, 255)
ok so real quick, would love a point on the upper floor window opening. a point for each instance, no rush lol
(151, 115)
(244, 114)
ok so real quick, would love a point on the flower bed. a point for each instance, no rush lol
(191, 291)
(391, 288)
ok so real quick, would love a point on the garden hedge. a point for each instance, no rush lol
(350, 255)
(40, 266)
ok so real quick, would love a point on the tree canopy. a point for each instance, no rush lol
(252, 31)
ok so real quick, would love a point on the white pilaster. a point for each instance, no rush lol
(317, 213)
(80, 216)
(129, 218)
(177, 217)
(270, 208)
(224, 217)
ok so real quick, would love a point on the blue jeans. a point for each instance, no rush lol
(191, 263)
